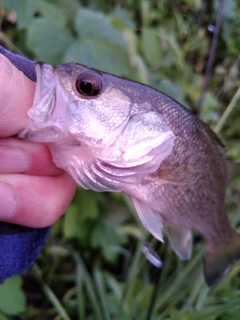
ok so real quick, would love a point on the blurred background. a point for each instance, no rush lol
(92, 266)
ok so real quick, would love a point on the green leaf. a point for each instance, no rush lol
(87, 203)
(99, 44)
(151, 47)
(77, 220)
(210, 107)
(121, 18)
(172, 90)
(12, 298)
(3, 317)
(98, 54)
(104, 234)
(24, 10)
(68, 7)
(72, 220)
(27, 8)
(90, 24)
(48, 39)
(173, 46)
(50, 11)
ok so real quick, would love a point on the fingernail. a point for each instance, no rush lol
(7, 202)
(13, 160)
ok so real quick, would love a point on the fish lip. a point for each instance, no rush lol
(44, 119)
(46, 87)
(29, 133)
(39, 115)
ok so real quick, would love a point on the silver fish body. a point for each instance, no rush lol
(112, 134)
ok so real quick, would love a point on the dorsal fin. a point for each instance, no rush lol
(215, 140)
(232, 170)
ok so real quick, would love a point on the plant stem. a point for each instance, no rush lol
(211, 57)
(155, 292)
(227, 111)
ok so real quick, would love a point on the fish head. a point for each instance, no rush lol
(100, 128)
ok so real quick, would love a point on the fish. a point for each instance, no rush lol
(116, 135)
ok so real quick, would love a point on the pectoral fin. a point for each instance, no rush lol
(151, 219)
(181, 241)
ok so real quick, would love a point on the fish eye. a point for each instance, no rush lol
(88, 84)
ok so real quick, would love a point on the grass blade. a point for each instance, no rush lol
(101, 293)
(89, 286)
(227, 112)
(50, 295)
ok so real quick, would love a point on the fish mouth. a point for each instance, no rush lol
(46, 122)
(45, 95)
(33, 132)
(43, 106)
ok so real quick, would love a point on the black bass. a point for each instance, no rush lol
(115, 135)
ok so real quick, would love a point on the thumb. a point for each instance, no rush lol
(16, 97)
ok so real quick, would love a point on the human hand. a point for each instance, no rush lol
(33, 191)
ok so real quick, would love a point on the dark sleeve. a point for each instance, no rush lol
(23, 64)
(19, 246)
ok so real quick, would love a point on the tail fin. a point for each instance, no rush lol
(218, 260)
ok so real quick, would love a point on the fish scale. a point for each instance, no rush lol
(112, 134)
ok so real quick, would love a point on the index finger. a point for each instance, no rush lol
(16, 97)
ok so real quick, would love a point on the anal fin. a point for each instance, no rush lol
(180, 240)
